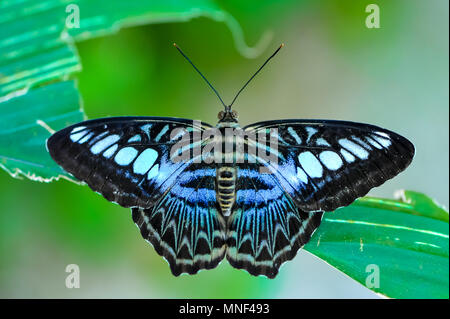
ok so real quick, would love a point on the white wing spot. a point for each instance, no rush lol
(348, 156)
(310, 164)
(383, 134)
(125, 156)
(301, 174)
(311, 131)
(153, 172)
(110, 151)
(331, 160)
(356, 149)
(77, 129)
(86, 138)
(294, 135)
(98, 137)
(104, 143)
(136, 138)
(179, 132)
(373, 143)
(146, 129)
(75, 137)
(361, 142)
(322, 142)
(162, 132)
(385, 142)
(144, 161)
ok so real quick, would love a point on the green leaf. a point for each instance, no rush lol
(23, 133)
(406, 240)
(37, 47)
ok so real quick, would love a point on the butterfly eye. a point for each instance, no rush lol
(221, 115)
(234, 114)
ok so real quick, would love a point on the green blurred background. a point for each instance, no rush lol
(332, 67)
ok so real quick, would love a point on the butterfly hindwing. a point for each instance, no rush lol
(185, 225)
(266, 228)
(324, 165)
(126, 159)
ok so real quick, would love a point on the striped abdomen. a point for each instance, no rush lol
(226, 188)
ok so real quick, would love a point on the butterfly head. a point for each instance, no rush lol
(228, 115)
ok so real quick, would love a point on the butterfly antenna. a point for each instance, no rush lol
(210, 85)
(276, 51)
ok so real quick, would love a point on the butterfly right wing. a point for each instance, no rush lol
(125, 159)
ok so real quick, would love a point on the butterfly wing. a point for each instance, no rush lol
(126, 159)
(185, 225)
(266, 228)
(324, 164)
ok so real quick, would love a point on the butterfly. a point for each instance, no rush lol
(255, 204)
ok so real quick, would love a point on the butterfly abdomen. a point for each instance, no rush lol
(226, 188)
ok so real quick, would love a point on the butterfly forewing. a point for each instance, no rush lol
(126, 159)
(324, 165)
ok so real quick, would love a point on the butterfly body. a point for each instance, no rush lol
(224, 199)
(226, 188)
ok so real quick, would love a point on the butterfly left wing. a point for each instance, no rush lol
(326, 164)
(128, 160)
(266, 228)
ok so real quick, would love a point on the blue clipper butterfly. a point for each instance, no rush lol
(256, 213)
